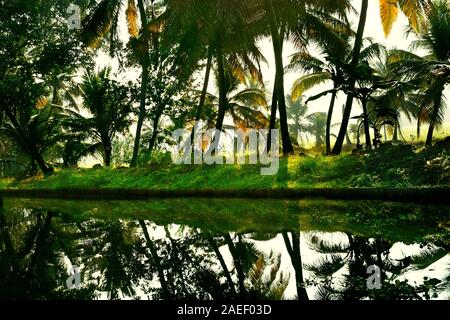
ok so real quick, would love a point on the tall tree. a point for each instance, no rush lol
(103, 19)
(433, 70)
(389, 12)
(35, 46)
(109, 103)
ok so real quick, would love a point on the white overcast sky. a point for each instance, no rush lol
(397, 39)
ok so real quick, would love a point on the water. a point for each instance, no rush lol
(223, 249)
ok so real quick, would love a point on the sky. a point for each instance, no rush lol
(397, 39)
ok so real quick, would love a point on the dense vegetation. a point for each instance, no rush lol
(58, 109)
(169, 249)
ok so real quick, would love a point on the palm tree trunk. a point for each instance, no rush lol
(277, 41)
(366, 124)
(296, 259)
(144, 84)
(273, 115)
(430, 135)
(222, 99)
(156, 259)
(238, 265)
(355, 60)
(434, 116)
(418, 129)
(107, 155)
(201, 103)
(347, 139)
(395, 135)
(214, 246)
(29, 146)
(155, 132)
(329, 118)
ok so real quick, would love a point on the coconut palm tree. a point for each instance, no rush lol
(323, 73)
(432, 70)
(245, 102)
(317, 126)
(102, 19)
(357, 254)
(297, 111)
(297, 21)
(414, 10)
(366, 82)
(110, 106)
(329, 69)
(219, 31)
(244, 105)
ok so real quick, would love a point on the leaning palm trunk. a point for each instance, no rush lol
(222, 101)
(395, 136)
(366, 125)
(29, 146)
(237, 264)
(329, 118)
(355, 60)
(430, 135)
(144, 84)
(155, 259)
(273, 116)
(296, 259)
(434, 116)
(277, 42)
(201, 103)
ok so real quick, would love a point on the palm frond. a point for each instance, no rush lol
(308, 82)
(132, 16)
(326, 266)
(99, 22)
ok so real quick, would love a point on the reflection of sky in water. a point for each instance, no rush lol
(97, 235)
(439, 270)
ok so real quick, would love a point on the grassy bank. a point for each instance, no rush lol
(389, 166)
(397, 222)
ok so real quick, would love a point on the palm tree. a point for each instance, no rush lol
(323, 73)
(432, 70)
(219, 31)
(297, 21)
(389, 11)
(297, 111)
(104, 19)
(27, 114)
(110, 106)
(317, 127)
(243, 105)
(339, 70)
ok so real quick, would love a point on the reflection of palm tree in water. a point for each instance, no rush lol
(31, 264)
(358, 253)
(293, 248)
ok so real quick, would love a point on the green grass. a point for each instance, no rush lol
(294, 172)
(389, 166)
(395, 221)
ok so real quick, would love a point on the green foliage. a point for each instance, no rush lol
(389, 166)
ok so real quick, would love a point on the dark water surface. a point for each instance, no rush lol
(223, 249)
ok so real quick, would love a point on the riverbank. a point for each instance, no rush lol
(378, 175)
